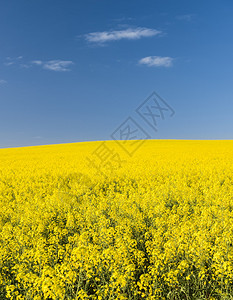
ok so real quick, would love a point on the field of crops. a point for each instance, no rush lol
(75, 224)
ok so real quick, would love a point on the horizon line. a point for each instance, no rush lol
(94, 141)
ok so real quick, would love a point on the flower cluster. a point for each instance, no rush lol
(158, 227)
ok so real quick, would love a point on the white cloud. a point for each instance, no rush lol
(57, 65)
(129, 34)
(2, 82)
(37, 62)
(187, 17)
(156, 61)
(9, 63)
(12, 60)
(25, 66)
(54, 65)
(123, 19)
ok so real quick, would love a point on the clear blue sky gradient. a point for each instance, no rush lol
(106, 82)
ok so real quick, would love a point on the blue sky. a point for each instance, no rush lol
(74, 71)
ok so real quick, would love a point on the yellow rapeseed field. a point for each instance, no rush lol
(89, 221)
